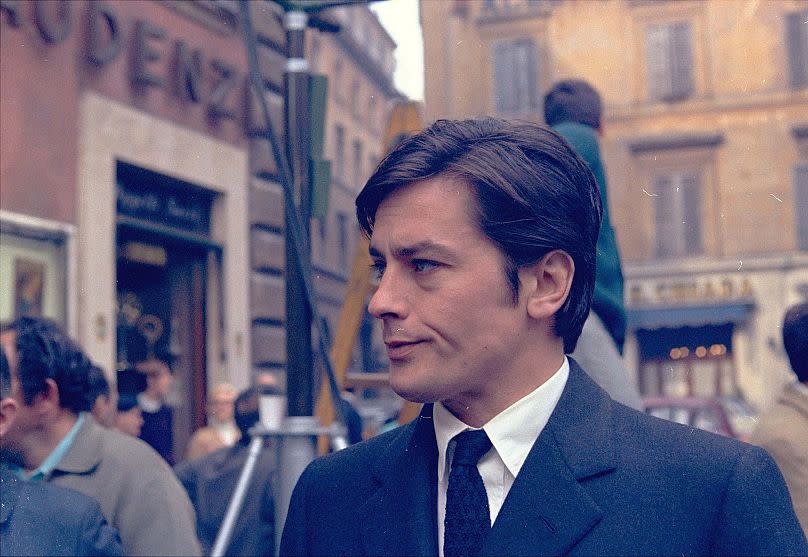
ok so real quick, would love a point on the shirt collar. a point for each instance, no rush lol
(56, 454)
(513, 431)
(148, 404)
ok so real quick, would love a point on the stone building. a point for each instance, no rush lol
(359, 64)
(705, 142)
(141, 206)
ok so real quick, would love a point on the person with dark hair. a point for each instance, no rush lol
(55, 439)
(158, 416)
(43, 519)
(129, 417)
(103, 408)
(483, 236)
(211, 480)
(783, 429)
(572, 107)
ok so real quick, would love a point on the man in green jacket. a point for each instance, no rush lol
(573, 108)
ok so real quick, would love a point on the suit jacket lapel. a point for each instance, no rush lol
(400, 517)
(548, 509)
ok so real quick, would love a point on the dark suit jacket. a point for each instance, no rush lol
(601, 479)
(44, 519)
(210, 482)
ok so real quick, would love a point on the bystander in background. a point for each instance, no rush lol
(783, 430)
(573, 108)
(221, 430)
(211, 480)
(104, 398)
(158, 416)
(129, 417)
(59, 441)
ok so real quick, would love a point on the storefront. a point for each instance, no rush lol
(712, 330)
(125, 187)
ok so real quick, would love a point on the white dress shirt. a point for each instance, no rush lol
(512, 433)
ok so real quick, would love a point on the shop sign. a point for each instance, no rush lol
(188, 75)
(684, 292)
(184, 211)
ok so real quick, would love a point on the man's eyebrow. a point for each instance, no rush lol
(419, 247)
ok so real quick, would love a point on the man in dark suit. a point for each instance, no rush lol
(483, 235)
(211, 480)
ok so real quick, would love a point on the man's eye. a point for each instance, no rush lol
(423, 265)
(377, 268)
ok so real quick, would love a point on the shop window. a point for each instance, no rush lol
(516, 76)
(33, 271)
(669, 61)
(801, 204)
(687, 361)
(797, 44)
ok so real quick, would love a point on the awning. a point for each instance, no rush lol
(656, 317)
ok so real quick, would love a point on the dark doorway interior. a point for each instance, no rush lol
(161, 288)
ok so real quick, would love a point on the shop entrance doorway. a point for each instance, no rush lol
(162, 265)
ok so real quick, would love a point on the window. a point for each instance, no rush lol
(801, 204)
(677, 209)
(797, 41)
(516, 76)
(339, 151)
(336, 77)
(357, 163)
(314, 56)
(354, 100)
(342, 231)
(372, 112)
(669, 57)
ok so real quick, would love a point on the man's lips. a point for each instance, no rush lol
(400, 348)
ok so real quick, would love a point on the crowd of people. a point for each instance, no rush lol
(500, 295)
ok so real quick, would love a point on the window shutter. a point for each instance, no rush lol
(797, 40)
(681, 61)
(531, 73)
(657, 46)
(690, 191)
(801, 204)
(504, 86)
(664, 216)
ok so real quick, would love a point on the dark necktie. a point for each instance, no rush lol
(467, 517)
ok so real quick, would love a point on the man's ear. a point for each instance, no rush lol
(8, 414)
(548, 283)
(47, 401)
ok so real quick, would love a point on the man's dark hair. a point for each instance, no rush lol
(98, 382)
(245, 412)
(5, 375)
(795, 339)
(533, 193)
(572, 100)
(45, 352)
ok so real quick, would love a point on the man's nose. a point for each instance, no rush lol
(389, 299)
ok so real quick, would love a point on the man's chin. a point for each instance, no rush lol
(410, 390)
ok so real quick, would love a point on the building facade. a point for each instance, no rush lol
(358, 62)
(141, 205)
(704, 143)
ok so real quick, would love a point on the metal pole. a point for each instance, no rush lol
(300, 362)
(237, 499)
